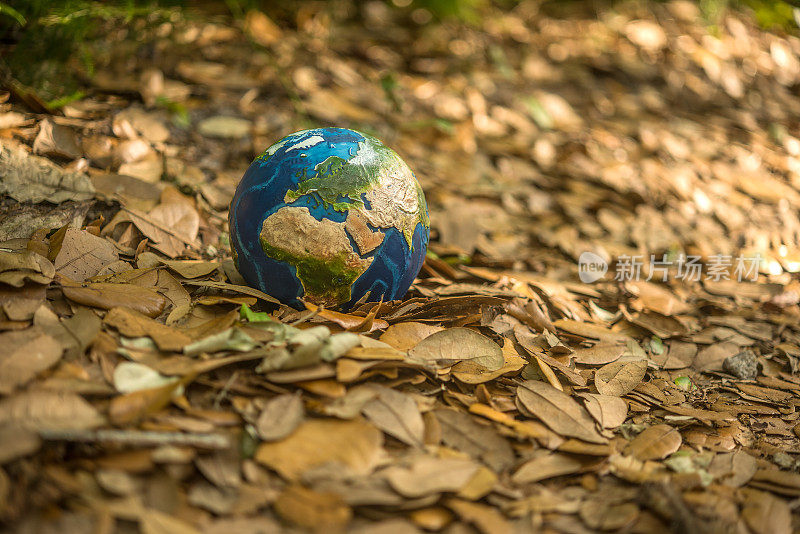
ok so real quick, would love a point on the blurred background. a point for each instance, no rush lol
(540, 129)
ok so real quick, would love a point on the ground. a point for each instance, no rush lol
(514, 389)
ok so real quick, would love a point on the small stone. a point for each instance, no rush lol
(743, 365)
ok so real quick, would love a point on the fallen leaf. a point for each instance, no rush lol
(396, 414)
(224, 127)
(261, 28)
(461, 432)
(599, 354)
(355, 445)
(155, 522)
(17, 441)
(82, 255)
(24, 354)
(558, 411)
(405, 336)
(618, 378)
(280, 417)
(607, 410)
(131, 323)
(454, 345)
(27, 178)
(57, 141)
(428, 475)
(654, 443)
(486, 519)
(313, 510)
(108, 296)
(766, 514)
(549, 465)
(16, 268)
(40, 410)
(132, 376)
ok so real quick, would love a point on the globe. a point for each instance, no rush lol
(331, 216)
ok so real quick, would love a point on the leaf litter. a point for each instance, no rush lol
(142, 382)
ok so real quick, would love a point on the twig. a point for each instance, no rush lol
(139, 437)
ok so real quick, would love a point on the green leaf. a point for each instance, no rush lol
(246, 314)
(6, 9)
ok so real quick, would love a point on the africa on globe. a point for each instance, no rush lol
(330, 216)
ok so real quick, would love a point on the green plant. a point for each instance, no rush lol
(51, 39)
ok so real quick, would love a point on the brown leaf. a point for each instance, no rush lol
(608, 411)
(314, 510)
(558, 411)
(428, 475)
(486, 519)
(155, 522)
(766, 514)
(16, 268)
(280, 416)
(476, 374)
(23, 355)
(404, 336)
(17, 441)
(131, 323)
(549, 465)
(107, 296)
(460, 431)
(599, 354)
(354, 444)
(81, 255)
(396, 414)
(132, 407)
(603, 515)
(448, 347)
(57, 141)
(618, 378)
(49, 410)
(654, 443)
(261, 28)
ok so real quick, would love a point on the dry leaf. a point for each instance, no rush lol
(454, 345)
(134, 324)
(320, 511)
(280, 416)
(766, 514)
(49, 410)
(405, 336)
(428, 475)
(549, 465)
(108, 296)
(608, 411)
(460, 431)
(27, 178)
(486, 519)
(17, 441)
(558, 411)
(396, 414)
(57, 141)
(23, 355)
(599, 354)
(355, 445)
(618, 378)
(654, 443)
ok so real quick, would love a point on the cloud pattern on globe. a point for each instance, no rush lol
(328, 216)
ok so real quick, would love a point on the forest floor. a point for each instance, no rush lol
(661, 396)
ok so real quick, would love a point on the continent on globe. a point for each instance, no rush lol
(331, 216)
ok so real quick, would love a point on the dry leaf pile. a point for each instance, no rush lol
(144, 388)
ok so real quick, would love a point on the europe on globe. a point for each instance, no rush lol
(331, 216)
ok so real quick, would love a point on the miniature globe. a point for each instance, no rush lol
(330, 216)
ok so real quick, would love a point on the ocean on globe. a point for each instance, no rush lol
(329, 216)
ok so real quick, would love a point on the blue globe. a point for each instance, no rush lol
(330, 216)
